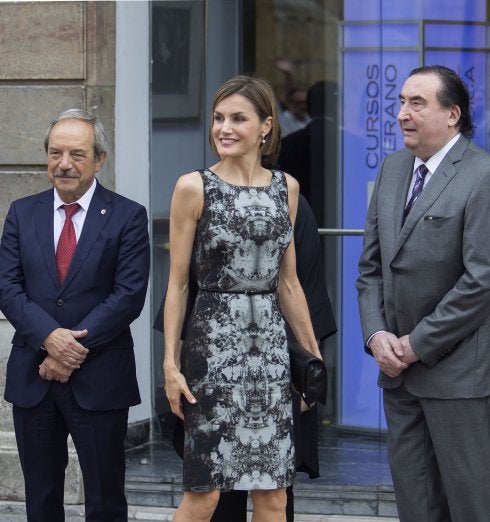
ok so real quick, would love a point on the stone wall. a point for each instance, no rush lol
(55, 55)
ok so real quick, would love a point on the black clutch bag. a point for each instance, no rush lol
(308, 374)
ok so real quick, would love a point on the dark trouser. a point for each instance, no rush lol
(42, 433)
(232, 506)
(439, 452)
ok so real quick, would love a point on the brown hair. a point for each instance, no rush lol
(260, 94)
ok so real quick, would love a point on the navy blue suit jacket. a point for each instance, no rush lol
(104, 291)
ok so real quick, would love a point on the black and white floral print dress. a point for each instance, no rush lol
(239, 435)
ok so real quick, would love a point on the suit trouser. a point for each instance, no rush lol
(439, 453)
(98, 436)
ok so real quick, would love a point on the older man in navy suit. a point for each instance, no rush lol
(74, 264)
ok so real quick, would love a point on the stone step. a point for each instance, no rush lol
(310, 498)
(15, 512)
(354, 479)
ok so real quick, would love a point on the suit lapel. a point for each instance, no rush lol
(401, 194)
(98, 215)
(43, 221)
(436, 185)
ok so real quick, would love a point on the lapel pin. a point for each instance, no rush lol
(103, 211)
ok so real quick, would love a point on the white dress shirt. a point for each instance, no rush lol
(78, 218)
(432, 163)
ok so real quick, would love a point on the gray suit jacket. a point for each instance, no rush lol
(431, 278)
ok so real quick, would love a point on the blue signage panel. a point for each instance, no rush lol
(467, 10)
(372, 84)
(372, 81)
(364, 35)
(471, 65)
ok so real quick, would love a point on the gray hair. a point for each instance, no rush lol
(100, 140)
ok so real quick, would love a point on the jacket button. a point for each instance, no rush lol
(60, 302)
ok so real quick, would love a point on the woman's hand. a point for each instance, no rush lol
(303, 407)
(175, 387)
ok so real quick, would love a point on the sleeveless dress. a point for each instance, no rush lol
(239, 435)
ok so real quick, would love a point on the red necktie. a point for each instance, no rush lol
(67, 242)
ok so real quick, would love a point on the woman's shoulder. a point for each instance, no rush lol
(191, 182)
(292, 183)
(290, 180)
(189, 189)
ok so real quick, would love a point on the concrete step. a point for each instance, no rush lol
(15, 512)
(354, 481)
(310, 498)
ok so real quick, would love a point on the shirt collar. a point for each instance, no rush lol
(434, 161)
(84, 201)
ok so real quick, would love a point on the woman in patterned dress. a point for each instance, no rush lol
(230, 380)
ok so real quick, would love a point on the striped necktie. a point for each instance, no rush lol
(417, 188)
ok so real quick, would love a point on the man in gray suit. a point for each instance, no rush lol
(424, 299)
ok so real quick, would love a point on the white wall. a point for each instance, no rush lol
(132, 153)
